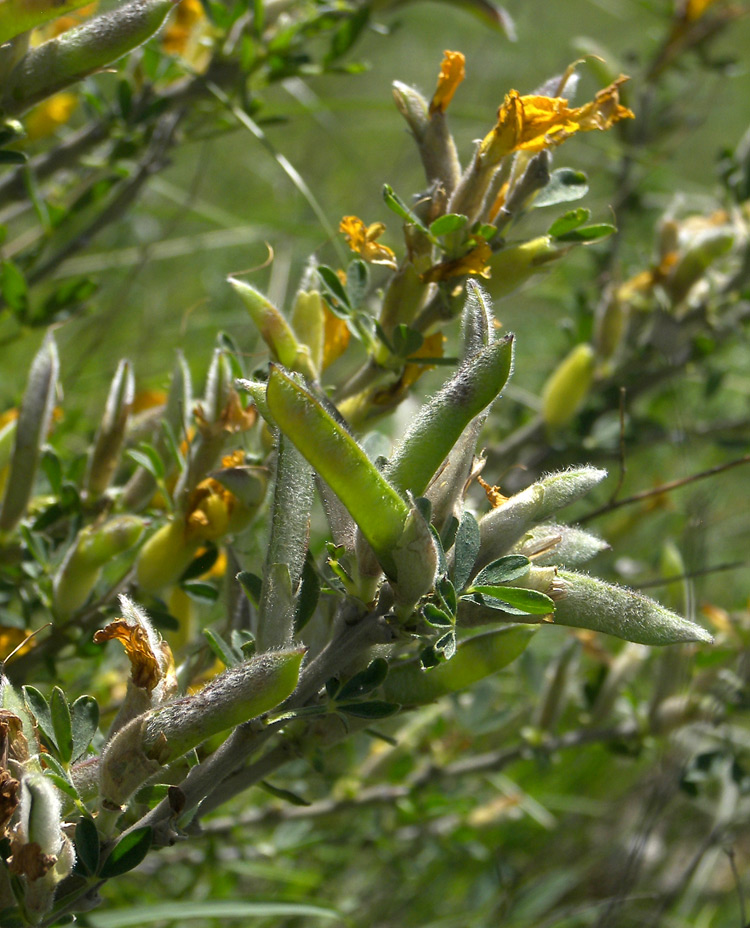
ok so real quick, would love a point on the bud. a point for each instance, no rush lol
(564, 545)
(476, 320)
(567, 387)
(416, 561)
(94, 547)
(515, 264)
(105, 455)
(502, 527)
(475, 658)
(308, 320)
(586, 602)
(154, 739)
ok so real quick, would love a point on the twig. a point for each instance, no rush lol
(664, 488)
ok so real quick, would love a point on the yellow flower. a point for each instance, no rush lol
(337, 337)
(473, 262)
(532, 123)
(452, 72)
(363, 240)
(47, 118)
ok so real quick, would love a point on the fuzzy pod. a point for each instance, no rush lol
(373, 502)
(105, 455)
(610, 323)
(447, 489)
(564, 545)
(441, 421)
(152, 740)
(31, 432)
(94, 547)
(586, 602)
(504, 526)
(165, 555)
(275, 331)
(475, 658)
(477, 320)
(567, 386)
(67, 59)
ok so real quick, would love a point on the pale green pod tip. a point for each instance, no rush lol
(587, 602)
(568, 386)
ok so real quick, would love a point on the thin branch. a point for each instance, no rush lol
(664, 488)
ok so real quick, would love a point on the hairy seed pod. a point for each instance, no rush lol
(154, 739)
(105, 455)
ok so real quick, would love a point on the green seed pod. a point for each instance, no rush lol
(165, 555)
(154, 739)
(439, 424)
(105, 455)
(31, 432)
(476, 320)
(275, 330)
(567, 387)
(413, 107)
(475, 658)
(70, 57)
(610, 322)
(502, 527)
(586, 602)
(374, 504)
(700, 254)
(94, 547)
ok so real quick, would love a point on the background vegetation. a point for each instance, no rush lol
(548, 794)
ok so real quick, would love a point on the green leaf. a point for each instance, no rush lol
(149, 459)
(127, 853)
(466, 550)
(406, 340)
(569, 221)
(12, 157)
(347, 34)
(176, 913)
(565, 186)
(84, 715)
(37, 706)
(588, 233)
(286, 794)
(450, 222)
(13, 286)
(200, 591)
(436, 617)
(87, 844)
(503, 570)
(221, 649)
(308, 595)
(377, 709)
(446, 645)
(515, 600)
(56, 772)
(447, 593)
(357, 282)
(334, 288)
(397, 205)
(372, 501)
(201, 564)
(365, 681)
(251, 584)
(61, 722)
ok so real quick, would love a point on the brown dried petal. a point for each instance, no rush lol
(9, 788)
(145, 667)
(29, 861)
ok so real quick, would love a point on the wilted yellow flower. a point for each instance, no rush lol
(452, 72)
(473, 262)
(363, 240)
(533, 122)
(52, 113)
